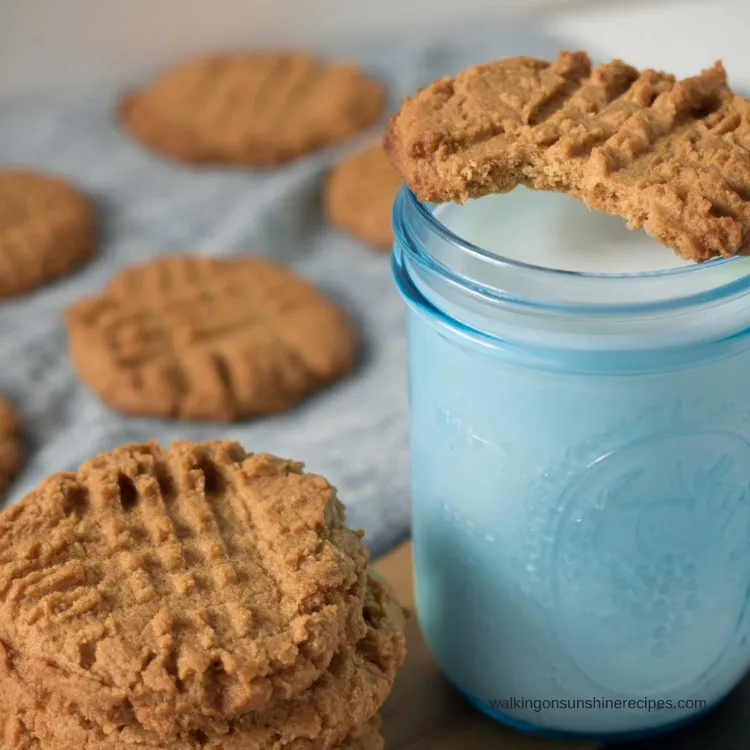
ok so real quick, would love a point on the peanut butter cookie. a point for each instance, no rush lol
(11, 453)
(170, 588)
(337, 708)
(17, 733)
(359, 195)
(254, 109)
(208, 338)
(671, 156)
(47, 228)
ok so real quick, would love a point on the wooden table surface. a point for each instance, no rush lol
(426, 713)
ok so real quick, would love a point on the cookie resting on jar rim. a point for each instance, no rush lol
(580, 460)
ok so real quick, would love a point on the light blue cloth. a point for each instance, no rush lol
(355, 433)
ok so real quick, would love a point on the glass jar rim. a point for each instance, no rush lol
(464, 264)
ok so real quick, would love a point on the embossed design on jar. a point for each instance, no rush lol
(466, 433)
(464, 523)
(649, 571)
(550, 494)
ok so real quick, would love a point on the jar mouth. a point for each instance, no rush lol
(441, 229)
(428, 243)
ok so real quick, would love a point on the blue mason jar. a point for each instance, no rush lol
(580, 448)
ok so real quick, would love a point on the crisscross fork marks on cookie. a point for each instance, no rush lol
(208, 338)
(169, 587)
(259, 108)
(669, 155)
(167, 537)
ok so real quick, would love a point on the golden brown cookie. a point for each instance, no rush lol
(168, 588)
(254, 109)
(339, 704)
(11, 453)
(208, 338)
(17, 733)
(671, 156)
(47, 228)
(359, 195)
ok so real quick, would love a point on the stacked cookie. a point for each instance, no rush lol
(200, 597)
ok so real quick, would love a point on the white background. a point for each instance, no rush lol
(49, 44)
